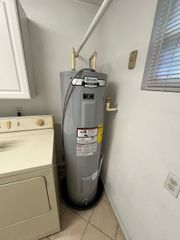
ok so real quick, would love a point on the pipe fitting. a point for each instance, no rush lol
(108, 105)
(73, 59)
(93, 60)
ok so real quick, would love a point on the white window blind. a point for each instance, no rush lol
(162, 71)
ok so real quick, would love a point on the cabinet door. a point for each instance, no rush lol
(13, 74)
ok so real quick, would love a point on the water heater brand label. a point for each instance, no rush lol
(87, 141)
(91, 82)
(88, 96)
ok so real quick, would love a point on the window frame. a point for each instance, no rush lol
(144, 85)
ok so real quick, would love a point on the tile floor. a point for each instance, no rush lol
(98, 223)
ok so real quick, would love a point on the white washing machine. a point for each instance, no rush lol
(29, 208)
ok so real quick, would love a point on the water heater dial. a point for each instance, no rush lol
(40, 122)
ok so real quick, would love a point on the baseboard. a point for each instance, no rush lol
(116, 213)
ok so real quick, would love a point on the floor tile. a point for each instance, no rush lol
(72, 227)
(85, 214)
(104, 219)
(92, 233)
(120, 235)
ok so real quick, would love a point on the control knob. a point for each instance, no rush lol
(40, 122)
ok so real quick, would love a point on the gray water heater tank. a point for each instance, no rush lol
(83, 132)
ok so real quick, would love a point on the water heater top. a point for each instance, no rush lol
(86, 73)
(85, 78)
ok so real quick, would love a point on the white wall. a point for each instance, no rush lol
(55, 27)
(142, 141)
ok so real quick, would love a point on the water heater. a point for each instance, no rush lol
(83, 97)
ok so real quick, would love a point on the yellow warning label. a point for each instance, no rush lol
(100, 133)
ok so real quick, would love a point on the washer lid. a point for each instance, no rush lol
(26, 151)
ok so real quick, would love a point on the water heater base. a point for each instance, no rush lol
(69, 202)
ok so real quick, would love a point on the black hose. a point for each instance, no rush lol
(67, 97)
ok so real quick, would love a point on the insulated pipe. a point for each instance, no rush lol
(94, 23)
(92, 60)
(73, 60)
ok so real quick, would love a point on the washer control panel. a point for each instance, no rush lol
(15, 124)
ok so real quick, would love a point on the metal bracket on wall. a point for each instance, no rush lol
(132, 59)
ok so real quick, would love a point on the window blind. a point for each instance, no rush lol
(162, 71)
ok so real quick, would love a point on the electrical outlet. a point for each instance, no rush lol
(172, 184)
(19, 111)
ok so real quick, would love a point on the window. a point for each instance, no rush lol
(162, 71)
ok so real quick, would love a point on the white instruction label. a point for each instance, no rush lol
(87, 132)
(86, 149)
(86, 140)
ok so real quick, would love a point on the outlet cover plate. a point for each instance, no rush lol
(172, 184)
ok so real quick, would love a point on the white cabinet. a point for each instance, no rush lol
(15, 63)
